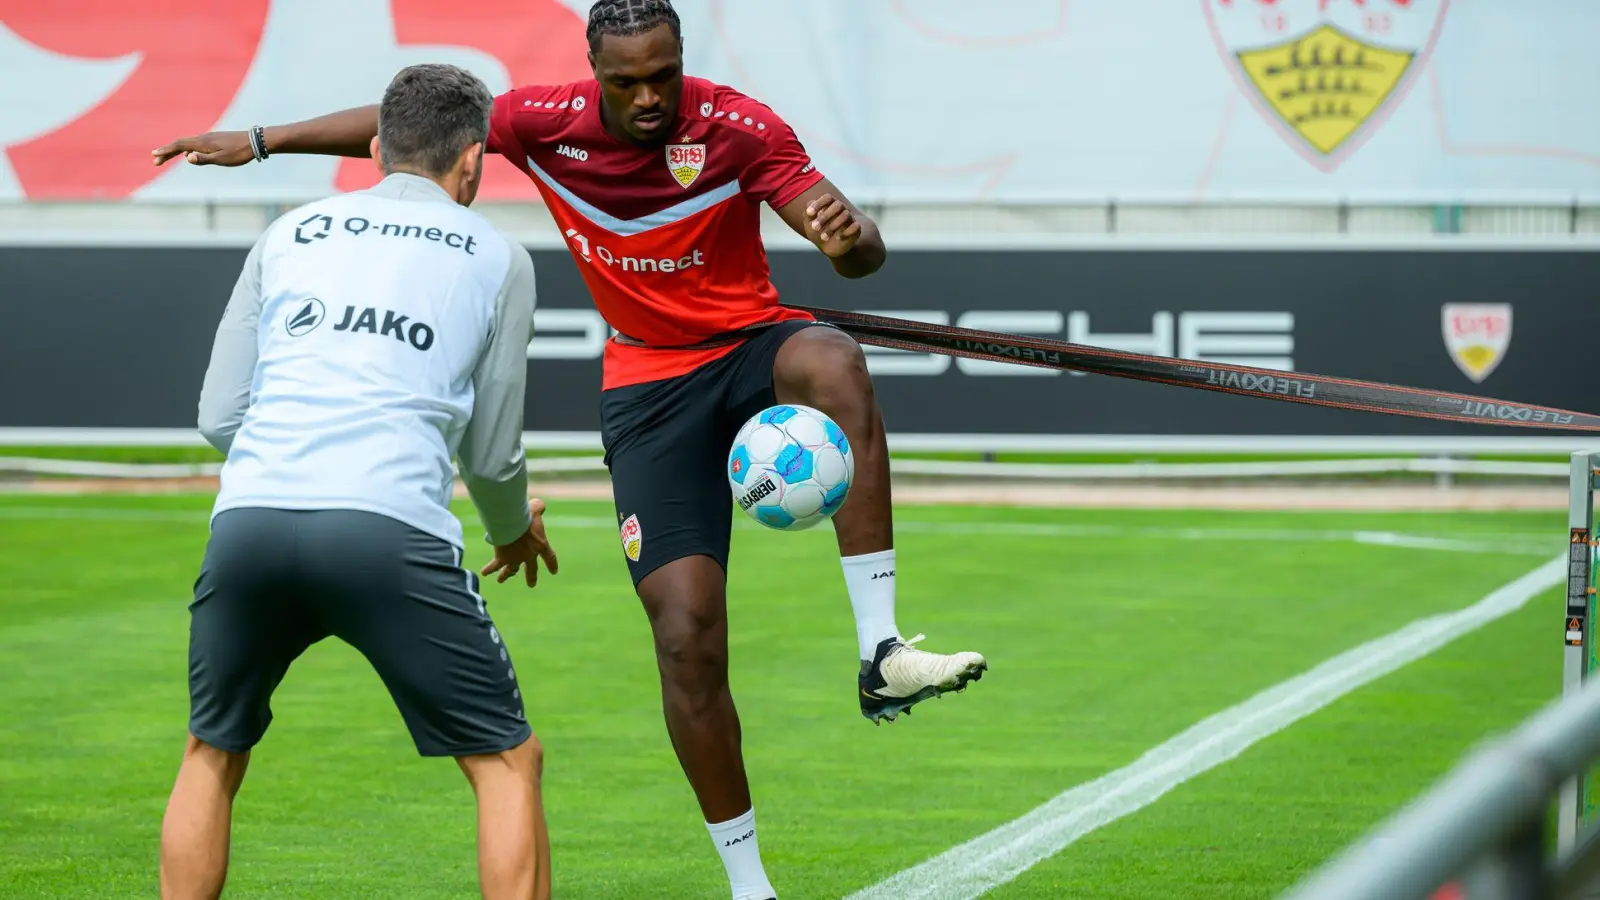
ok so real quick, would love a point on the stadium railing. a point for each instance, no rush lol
(901, 219)
(1486, 822)
(1482, 828)
(1440, 467)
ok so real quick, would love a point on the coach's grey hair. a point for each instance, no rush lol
(430, 113)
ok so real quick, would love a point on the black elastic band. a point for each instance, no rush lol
(1270, 384)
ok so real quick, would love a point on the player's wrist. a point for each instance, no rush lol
(257, 135)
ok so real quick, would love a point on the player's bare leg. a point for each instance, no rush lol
(196, 828)
(825, 369)
(686, 601)
(513, 840)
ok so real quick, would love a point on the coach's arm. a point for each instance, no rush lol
(493, 463)
(225, 394)
(848, 236)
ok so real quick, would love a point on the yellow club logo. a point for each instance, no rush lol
(686, 161)
(1326, 73)
(632, 537)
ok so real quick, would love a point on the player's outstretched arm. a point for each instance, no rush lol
(225, 392)
(492, 460)
(826, 217)
(345, 133)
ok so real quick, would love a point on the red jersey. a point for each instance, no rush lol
(668, 238)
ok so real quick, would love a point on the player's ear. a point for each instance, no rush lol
(470, 165)
(594, 66)
(377, 153)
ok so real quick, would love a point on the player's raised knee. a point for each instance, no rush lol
(823, 359)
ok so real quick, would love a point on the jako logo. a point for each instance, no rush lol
(572, 153)
(877, 575)
(305, 318)
(419, 334)
(741, 838)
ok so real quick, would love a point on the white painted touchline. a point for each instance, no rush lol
(978, 866)
(1514, 544)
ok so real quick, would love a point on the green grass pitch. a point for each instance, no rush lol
(1103, 644)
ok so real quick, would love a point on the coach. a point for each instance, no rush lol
(371, 338)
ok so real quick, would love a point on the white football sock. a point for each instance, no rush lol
(741, 856)
(870, 580)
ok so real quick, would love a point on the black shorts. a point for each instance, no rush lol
(274, 582)
(667, 445)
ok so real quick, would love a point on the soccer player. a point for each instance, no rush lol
(370, 338)
(656, 180)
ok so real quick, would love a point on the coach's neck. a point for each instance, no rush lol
(460, 180)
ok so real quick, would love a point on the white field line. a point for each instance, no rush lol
(1514, 544)
(978, 866)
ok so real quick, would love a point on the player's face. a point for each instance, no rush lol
(641, 79)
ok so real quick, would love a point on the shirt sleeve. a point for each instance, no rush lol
(225, 393)
(784, 170)
(502, 136)
(493, 463)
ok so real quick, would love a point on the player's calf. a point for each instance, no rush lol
(826, 369)
(687, 605)
(198, 823)
(513, 839)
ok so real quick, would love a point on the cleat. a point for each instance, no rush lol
(899, 676)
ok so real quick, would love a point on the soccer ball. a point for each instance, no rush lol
(790, 467)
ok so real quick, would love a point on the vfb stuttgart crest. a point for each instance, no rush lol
(1326, 73)
(1477, 335)
(686, 161)
(632, 537)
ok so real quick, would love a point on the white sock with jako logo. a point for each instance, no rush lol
(741, 856)
(870, 580)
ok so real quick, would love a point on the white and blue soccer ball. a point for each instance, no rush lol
(790, 467)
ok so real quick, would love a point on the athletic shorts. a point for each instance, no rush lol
(667, 443)
(274, 582)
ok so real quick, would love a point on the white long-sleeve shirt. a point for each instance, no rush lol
(371, 338)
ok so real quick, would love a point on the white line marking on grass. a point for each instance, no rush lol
(978, 866)
(105, 514)
(1514, 544)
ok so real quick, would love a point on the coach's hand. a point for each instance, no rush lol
(525, 552)
(832, 223)
(214, 148)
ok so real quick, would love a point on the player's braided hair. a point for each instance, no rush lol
(621, 18)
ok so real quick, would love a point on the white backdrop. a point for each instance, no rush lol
(1170, 101)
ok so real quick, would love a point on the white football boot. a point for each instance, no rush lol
(899, 676)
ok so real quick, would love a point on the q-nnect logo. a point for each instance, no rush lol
(314, 228)
(305, 317)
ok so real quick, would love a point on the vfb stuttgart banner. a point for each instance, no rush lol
(1325, 75)
(940, 101)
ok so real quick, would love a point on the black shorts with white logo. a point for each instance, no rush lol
(667, 446)
(275, 581)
